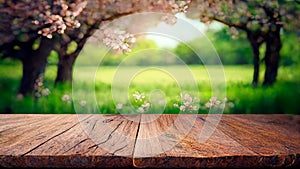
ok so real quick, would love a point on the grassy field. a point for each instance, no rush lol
(283, 97)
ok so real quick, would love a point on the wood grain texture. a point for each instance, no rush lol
(239, 141)
(63, 141)
(159, 141)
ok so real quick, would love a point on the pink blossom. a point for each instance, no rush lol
(119, 106)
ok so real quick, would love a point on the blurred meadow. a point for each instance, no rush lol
(282, 97)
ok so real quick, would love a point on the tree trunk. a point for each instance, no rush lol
(255, 42)
(66, 61)
(272, 56)
(255, 50)
(34, 64)
(64, 69)
(256, 67)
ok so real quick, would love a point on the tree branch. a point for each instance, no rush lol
(243, 27)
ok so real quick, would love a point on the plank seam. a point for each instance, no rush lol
(135, 140)
(39, 145)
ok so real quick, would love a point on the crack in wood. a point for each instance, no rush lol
(236, 131)
(109, 136)
(15, 127)
(44, 142)
(201, 118)
(107, 120)
(119, 149)
(82, 141)
(95, 146)
(94, 125)
(136, 137)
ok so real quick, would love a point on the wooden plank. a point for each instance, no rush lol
(276, 134)
(18, 134)
(239, 141)
(67, 140)
(97, 141)
(8, 121)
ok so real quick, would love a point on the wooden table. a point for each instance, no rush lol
(164, 141)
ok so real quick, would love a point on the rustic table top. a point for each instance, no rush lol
(149, 140)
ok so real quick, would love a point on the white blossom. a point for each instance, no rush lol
(66, 98)
(189, 104)
(141, 110)
(208, 105)
(138, 97)
(169, 19)
(214, 102)
(45, 92)
(83, 103)
(117, 39)
(119, 106)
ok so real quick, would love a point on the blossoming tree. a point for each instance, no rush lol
(262, 20)
(30, 30)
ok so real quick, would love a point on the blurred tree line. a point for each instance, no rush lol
(262, 21)
(232, 51)
(237, 50)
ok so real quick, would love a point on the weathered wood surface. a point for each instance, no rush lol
(63, 141)
(239, 141)
(170, 141)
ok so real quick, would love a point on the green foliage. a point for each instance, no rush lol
(187, 54)
(290, 51)
(53, 58)
(231, 51)
(237, 50)
(94, 56)
(72, 47)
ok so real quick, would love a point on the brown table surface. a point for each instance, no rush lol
(149, 140)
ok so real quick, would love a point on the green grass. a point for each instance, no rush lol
(283, 97)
